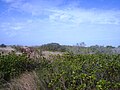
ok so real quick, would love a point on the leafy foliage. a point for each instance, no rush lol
(81, 72)
(13, 65)
(66, 72)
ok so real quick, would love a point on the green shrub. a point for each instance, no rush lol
(81, 72)
(13, 65)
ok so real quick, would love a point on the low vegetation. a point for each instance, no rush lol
(68, 71)
(12, 65)
(81, 72)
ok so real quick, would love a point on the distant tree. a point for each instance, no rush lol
(110, 47)
(2, 45)
(82, 44)
(119, 46)
(53, 47)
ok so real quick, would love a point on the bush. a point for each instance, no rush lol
(13, 65)
(81, 72)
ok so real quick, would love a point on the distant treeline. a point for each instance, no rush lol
(81, 48)
(53, 47)
(96, 49)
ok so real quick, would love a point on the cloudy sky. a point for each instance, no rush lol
(36, 22)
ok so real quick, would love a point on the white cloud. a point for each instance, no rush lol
(34, 8)
(69, 14)
(12, 29)
(91, 16)
(12, 26)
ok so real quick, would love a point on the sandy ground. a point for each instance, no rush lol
(48, 54)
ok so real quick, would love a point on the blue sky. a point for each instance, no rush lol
(36, 22)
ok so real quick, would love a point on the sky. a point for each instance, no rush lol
(67, 22)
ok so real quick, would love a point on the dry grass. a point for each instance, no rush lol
(26, 81)
(48, 54)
